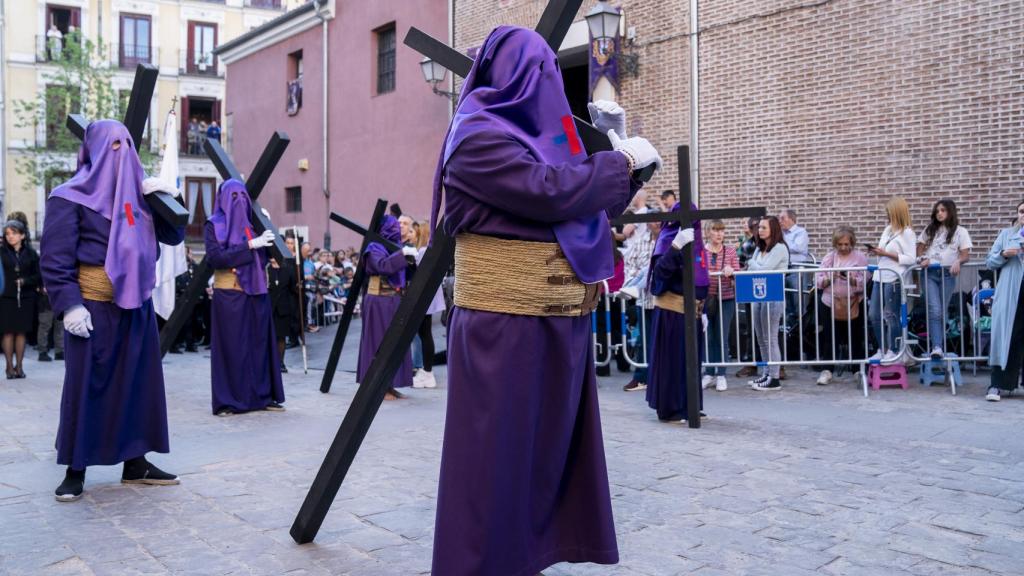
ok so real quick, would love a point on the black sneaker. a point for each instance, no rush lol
(72, 486)
(191, 348)
(44, 357)
(634, 386)
(760, 380)
(141, 471)
(274, 407)
(175, 350)
(58, 356)
(771, 384)
(284, 369)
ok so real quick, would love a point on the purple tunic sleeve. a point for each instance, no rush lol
(59, 254)
(380, 264)
(221, 258)
(497, 170)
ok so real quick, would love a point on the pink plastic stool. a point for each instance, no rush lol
(894, 375)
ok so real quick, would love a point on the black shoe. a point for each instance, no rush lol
(634, 386)
(58, 356)
(274, 406)
(141, 471)
(284, 369)
(72, 486)
(604, 371)
(21, 373)
(44, 357)
(770, 385)
(175, 350)
(191, 348)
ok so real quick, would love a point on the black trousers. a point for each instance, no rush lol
(427, 342)
(1008, 378)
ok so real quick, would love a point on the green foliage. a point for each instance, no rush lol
(78, 80)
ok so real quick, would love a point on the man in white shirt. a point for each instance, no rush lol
(798, 242)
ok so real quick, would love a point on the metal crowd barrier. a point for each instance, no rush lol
(605, 349)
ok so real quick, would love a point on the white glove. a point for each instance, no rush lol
(154, 184)
(78, 321)
(639, 149)
(607, 115)
(410, 251)
(262, 241)
(683, 237)
(704, 321)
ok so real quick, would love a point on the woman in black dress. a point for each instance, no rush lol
(18, 301)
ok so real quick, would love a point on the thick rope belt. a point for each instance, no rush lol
(95, 284)
(226, 280)
(518, 277)
(675, 302)
(378, 286)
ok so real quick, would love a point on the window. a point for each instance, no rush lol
(60, 21)
(294, 83)
(293, 199)
(386, 59)
(200, 195)
(135, 40)
(202, 39)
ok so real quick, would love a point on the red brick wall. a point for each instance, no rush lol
(828, 106)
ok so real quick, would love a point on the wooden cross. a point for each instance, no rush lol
(686, 216)
(254, 185)
(161, 204)
(370, 234)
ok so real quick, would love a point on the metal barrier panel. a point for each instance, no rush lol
(604, 348)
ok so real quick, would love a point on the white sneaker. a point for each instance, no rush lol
(824, 378)
(419, 379)
(890, 357)
(876, 356)
(992, 395)
(428, 379)
(720, 384)
(937, 353)
(706, 381)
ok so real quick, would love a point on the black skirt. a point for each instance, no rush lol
(15, 319)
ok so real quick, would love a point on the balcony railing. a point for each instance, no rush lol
(266, 4)
(197, 63)
(128, 55)
(49, 49)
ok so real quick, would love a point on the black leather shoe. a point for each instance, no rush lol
(141, 471)
(72, 487)
(44, 357)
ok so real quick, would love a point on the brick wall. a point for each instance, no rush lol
(828, 106)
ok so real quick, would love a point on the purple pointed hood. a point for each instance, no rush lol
(109, 182)
(664, 244)
(515, 87)
(391, 230)
(233, 229)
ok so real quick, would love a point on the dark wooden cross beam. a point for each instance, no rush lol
(162, 204)
(358, 280)
(257, 181)
(685, 216)
(553, 26)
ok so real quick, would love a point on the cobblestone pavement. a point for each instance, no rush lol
(806, 480)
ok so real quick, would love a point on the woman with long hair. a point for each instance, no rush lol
(18, 301)
(771, 254)
(896, 251)
(424, 377)
(1006, 354)
(946, 244)
(721, 302)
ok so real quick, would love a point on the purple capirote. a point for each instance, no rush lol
(523, 98)
(108, 181)
(233, 229)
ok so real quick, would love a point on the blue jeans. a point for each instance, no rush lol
(890, 313)
(640, 374)
(719, 329)
(417, 352)
(939, 288)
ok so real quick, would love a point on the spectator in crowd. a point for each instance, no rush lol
(771, 254)
(720, 306)
(283, 287)
(896, 251)
(747, 243)
(1006, 355)
(193, 136)
(798, 242)
(944, 242)
(745, 248)
(615, 327)
(637, 265)
(309, 286)
(187, 335)
(840, 319)
(213, 131)
(18, 300)
(201, 136)
(46, 317)
(424, 378)
(668, 200)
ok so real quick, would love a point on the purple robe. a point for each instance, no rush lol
(113, 406)
(245, 371)
(523, 481)
(378, 311)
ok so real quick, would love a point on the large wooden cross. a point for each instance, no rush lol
(371, 234)
(553, 26)
(686, 216)
(254, 185)
(161, 204)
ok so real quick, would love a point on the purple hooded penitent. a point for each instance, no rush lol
(664, 243)
(109, 182)
(233, 229)
(524, 98)
(391, 230)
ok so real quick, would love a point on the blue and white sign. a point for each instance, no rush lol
(770, 288)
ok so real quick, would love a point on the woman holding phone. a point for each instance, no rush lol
(1006, 355)
(896, 250)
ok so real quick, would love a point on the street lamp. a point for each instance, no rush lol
(603, 21)
(434, 74)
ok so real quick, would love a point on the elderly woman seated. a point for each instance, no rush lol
(840, 318)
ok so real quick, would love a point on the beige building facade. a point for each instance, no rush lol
(178, 36)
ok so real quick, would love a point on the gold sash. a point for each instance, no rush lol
(226, 280)
(379, 286)
(95, 284)
(675, 302)
(518, 277)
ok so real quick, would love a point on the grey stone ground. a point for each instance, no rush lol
(807, 480)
